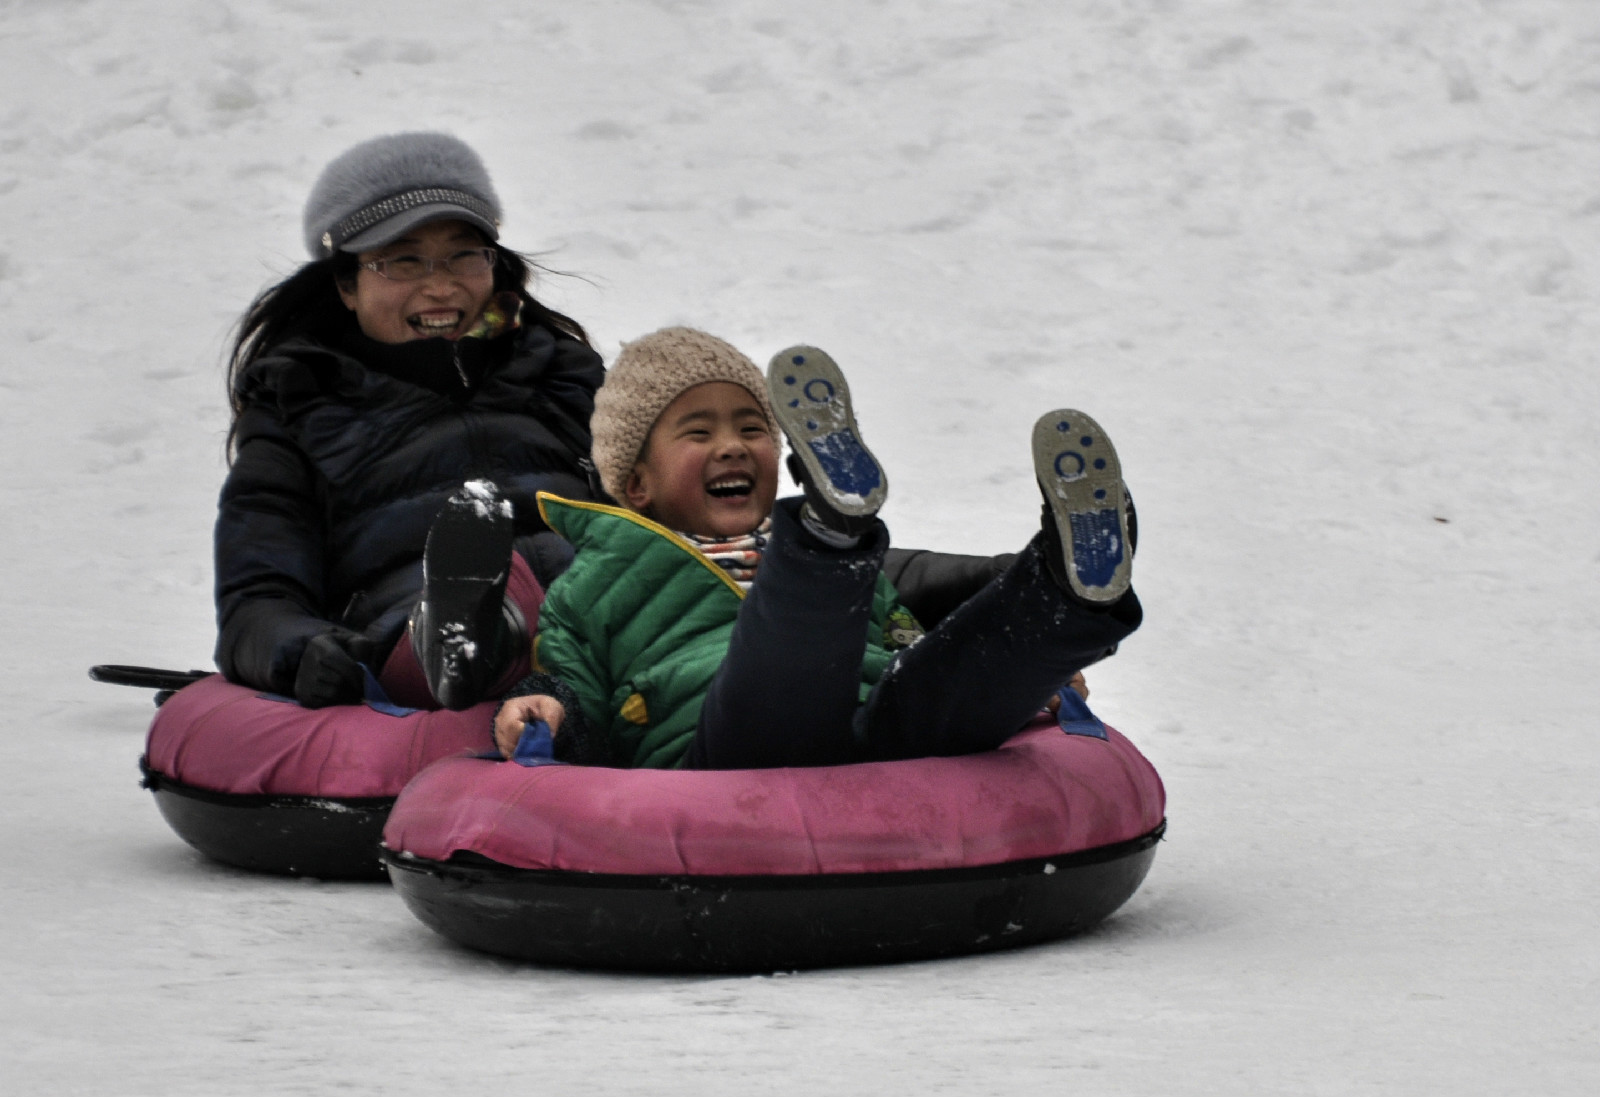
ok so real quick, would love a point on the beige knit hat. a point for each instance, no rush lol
(651, 373)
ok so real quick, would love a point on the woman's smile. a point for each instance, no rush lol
(439, 304)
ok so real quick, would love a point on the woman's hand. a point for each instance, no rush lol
(330, 670)
(521, 710)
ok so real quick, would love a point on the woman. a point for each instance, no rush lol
(407, 357)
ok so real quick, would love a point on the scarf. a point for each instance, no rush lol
(738, 556)
(503, 313)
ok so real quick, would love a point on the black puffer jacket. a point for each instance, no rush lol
(344, 456)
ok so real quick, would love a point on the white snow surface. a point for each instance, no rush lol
(1325, 272)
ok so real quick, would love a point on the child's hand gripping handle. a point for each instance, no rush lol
(536, 747)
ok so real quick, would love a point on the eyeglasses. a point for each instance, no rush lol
(410, 268)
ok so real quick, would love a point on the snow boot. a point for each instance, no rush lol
(843, 483)
(1086, 508)
(463, 631)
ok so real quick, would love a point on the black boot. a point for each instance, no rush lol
(463, 631)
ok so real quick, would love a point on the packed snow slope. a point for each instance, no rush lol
(1326, 272)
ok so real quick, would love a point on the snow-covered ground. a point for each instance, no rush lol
(1327, 272)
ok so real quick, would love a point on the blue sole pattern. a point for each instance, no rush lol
(1081, 478)
(812, 403)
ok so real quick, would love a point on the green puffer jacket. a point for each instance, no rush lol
(638, 626)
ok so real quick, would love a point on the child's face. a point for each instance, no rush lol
(710, 464)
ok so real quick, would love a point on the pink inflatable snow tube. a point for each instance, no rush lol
(257, 781)
(226, 738)
(762, 870)
(1041, 794)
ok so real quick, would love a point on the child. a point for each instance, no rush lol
(701, 626)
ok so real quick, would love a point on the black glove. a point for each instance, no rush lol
(330, 669)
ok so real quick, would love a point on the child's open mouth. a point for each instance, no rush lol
(436, 323)
(735, 486)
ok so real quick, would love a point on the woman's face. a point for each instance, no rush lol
(437, 305)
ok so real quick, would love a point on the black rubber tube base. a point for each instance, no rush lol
(760, 923)
(285, 835)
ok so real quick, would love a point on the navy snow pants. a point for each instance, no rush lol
(788, 691)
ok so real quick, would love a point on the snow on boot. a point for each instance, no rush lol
(1086, 507)
(844, 484)
(458, 629)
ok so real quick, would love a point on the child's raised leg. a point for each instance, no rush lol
(1064, 603)
(790, 683)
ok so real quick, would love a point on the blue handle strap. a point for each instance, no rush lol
(372, 695)
(1074, 715)
(536, 747)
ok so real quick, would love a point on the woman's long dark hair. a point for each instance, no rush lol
(307, 305)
